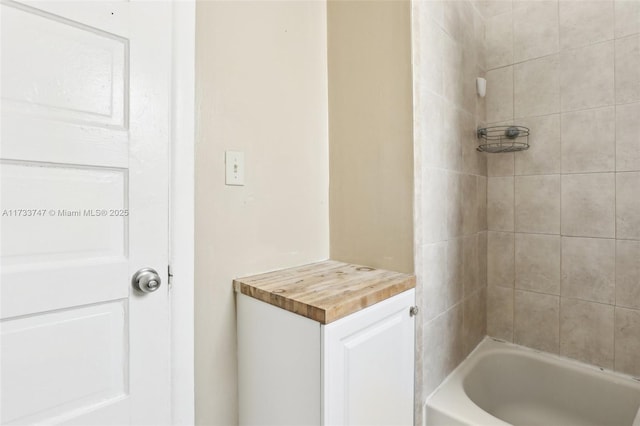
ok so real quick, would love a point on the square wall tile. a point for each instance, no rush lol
(627, 338)
(628, 137)
(588, 141)
(430, 130)
(472, 160)
(537, 318)
(589, 269)
(587, 77)
(537, 87)
(452, 71)
(537, 204)
(500, 259)
(481, 109)
(500, 204)
(453, 125)
(627, 69)
(455, 206)
(475, 319)
(482, 202)
(588, 205)
(455, 267)
(499, 99)
(538, 263)
(471, 281)
(628, 274)
(499, 40)
(435, 189)
(628, 205)
(586, 332)
(543, 155)
(445, 349)
(489, 8)
(450, 157)
(478, 42)
(535, 32)
(442, 283)
(458, 18)
(470, 204)
(482, 258)
(470, 71)
(627, 17)
(500, 313)
(429, 40)
(500, 164)
(585, 22)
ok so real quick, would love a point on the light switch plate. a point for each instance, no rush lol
(234, 168)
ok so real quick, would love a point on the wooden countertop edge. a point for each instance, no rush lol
(330, 313)
(366, 300)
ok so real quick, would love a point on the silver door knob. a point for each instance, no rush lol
(146, 280)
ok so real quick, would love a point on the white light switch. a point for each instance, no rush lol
(234, 166)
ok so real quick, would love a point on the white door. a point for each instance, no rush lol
(84, 204)
(368, 365)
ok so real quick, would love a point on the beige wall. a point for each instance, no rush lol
(370, 128)
(564, 217)
(451, 182)
(262, 89)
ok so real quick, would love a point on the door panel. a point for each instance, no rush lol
(85, 350)
(84, 202)
(77, 193)
(70, 71)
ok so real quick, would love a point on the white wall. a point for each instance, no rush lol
(261, 88)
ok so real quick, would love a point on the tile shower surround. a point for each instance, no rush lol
(451, 188)
(564, 217)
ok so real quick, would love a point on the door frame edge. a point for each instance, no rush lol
(182, 211)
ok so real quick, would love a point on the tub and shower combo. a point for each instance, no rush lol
(504, 384)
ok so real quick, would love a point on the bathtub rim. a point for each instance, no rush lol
(446, 397)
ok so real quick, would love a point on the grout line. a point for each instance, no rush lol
(561, 51)
(615, 190)
(562, 173)
(513, 93)
(637, 101)
(560, 304)
(500, 231)
(560, 112)
(458, 172)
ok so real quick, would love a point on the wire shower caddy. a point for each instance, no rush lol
(498, 139)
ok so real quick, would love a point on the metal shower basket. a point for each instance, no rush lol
(498, 139)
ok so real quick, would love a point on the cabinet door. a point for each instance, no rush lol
(368, 362)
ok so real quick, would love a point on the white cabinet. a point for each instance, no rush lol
(357, 370)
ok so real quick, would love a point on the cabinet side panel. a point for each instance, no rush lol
(279, 365)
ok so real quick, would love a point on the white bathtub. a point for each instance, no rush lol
(505, 384)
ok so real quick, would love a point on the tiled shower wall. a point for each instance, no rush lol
(450, 182)
(564, 217)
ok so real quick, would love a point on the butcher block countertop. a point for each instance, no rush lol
(325, 291)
